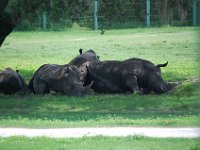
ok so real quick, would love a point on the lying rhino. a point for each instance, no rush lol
(64, 79)
(11, 81)
(124, 76)
(90, 55)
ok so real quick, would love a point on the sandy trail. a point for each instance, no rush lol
(102, 131)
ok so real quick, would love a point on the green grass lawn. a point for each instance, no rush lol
(99, 143)
(27, 51)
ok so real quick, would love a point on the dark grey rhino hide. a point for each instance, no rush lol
(131, 75)
(90, 55)
(11, 81)
(64, 79)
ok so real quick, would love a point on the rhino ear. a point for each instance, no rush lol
(80, 51)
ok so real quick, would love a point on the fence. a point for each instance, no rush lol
(100, 14)
(149, 15)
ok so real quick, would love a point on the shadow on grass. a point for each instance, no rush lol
(178, 103)
(95, 107)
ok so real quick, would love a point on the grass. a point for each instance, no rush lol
(99, 143)
(100, 110)
(27, 51)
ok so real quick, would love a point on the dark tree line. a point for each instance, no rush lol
(8, 20)
(174, 8)
(63, 13)
(162, 11)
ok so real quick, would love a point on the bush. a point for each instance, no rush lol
(25, 25)
(61, 25)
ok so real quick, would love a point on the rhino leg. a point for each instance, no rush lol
(41, 87)
(131, 82)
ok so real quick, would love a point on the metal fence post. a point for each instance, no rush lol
(95, 15)
(194, 13)
(148, 21)
(44, 21)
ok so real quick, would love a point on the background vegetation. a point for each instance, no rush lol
(62, 14)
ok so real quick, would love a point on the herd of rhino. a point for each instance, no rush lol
(86, 74)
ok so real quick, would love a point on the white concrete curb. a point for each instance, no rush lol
(102, 131)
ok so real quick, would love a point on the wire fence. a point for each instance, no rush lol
(101, 14)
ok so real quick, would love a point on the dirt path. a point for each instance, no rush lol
(103, 131)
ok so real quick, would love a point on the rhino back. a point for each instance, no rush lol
(90, 55)
(48, 71)
(78, 61)
(115, 70)
(108, 76)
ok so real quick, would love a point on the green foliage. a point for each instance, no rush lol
(25, 25)
(112, 13)
(62, 25)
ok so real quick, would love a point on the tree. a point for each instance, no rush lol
(8, 20)
(174, 10)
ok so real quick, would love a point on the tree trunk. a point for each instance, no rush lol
(4, 3)
(8, 21)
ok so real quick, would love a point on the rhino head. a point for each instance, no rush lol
(72, 84)
(154, 81)
(156, 84)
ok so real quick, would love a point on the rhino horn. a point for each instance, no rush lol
(84, 90)
(81, 85)
(88, 89)
(90, 85)
(162, 65)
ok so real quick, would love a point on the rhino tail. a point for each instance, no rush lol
(21, 80)
(30, 84)
(22, 84)
(162, 65)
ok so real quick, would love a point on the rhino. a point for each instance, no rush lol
(11, 81)
(128, 76)
(89, 55)
(64, 79)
